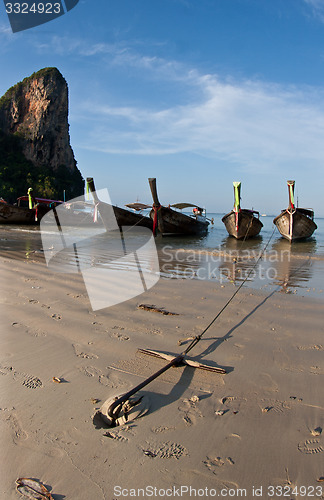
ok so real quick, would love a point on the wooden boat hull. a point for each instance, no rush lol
(12, 214)
(172, 222)
(294, 225)
(247, 225)
(128, 218)
(123, 217)
(169, 221)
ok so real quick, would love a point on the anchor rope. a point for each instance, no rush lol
(117, 405)
(247, 231)
(195, 341)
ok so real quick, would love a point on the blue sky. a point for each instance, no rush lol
(197, 93)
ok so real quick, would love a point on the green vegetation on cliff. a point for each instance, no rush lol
(17, 174)
(35, 148)
(17, 89)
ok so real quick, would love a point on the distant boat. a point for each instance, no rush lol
(295, 223)
(241, 222)
(166, 220)
(27, 210)
(123, 217)
(78, 213)
(137, 206)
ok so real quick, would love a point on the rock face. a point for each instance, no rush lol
(36, 111)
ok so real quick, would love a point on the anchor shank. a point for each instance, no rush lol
(130, 393)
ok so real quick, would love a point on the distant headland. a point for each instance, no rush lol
(35, 148)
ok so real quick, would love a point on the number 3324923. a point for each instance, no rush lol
(35, 8)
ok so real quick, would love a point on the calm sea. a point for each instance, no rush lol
(266, 262)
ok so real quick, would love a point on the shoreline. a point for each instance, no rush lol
(297, 268)
(299, 274)
(259, 425)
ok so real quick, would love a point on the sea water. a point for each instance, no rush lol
(266, 262)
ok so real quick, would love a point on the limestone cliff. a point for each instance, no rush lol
(35, 111)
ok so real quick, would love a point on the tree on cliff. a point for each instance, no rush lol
(35, 146)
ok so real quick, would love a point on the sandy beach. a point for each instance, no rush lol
(256, 431)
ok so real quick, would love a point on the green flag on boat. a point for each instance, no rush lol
(237, 195)
(30, 200)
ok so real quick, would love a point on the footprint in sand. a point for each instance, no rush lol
(311, 446)
(80, 353)
(90, 371)
(162, 428)
(15, 324)
(57, 317)
(18, 433)
(29, 381)
(109, 380)
(44, 306)
(165, 450)
(119, 336)
(316, 347)
(189, 410)
(117, 436)
(33, 301)
(226, 448)
(233, 403)
(33, 333)
(213, 464)
(32, 382)
(76, 295)
(274, 406)
(154, 331)
(37, 333)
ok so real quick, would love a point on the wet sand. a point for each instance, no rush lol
(259, 425)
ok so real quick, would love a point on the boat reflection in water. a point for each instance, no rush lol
(295, 264)
(289, 266)
(239, 258)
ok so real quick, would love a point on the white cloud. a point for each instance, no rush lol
(250, 123)
(5, 30)
(316, 4)
(6, 35)
(317, 7)
(113, 54)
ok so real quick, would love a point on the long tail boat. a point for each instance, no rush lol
(241, 222)
(295, 223)
(27, 210)
(166, 220)
(123, 217)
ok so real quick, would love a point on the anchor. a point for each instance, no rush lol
(111, 409)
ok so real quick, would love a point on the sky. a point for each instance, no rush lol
(197, 93)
